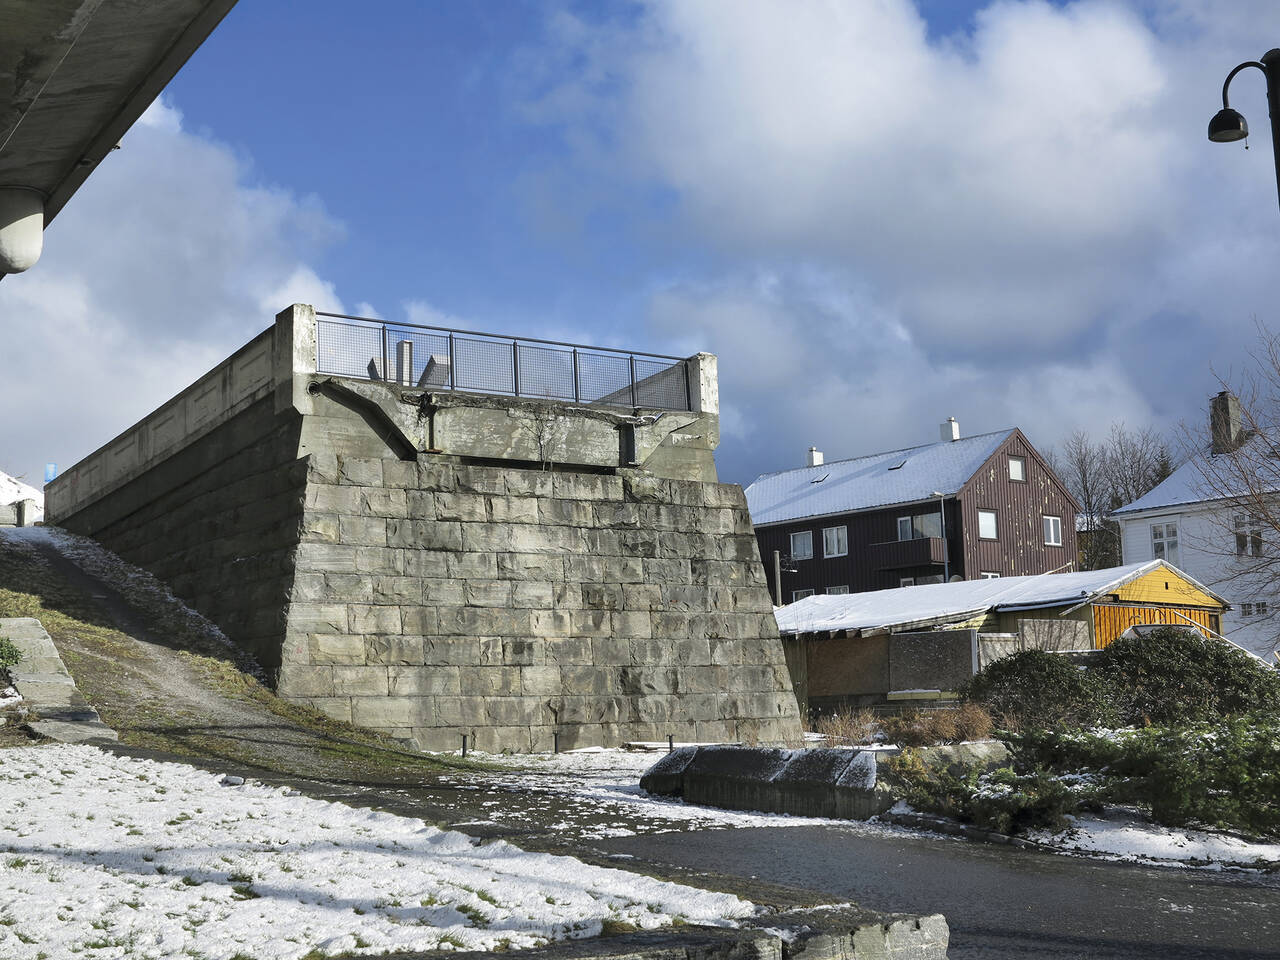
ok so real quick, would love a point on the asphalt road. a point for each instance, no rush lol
(1000, 901)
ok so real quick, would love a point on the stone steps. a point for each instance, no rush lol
(48, 689)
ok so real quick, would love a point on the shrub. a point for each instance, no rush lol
(1174, 675)
(848, 728)
(922, 728)
(10, 655)
(1033, 688)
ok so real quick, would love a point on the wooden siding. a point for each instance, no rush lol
(1165, 586)
(1020, 507)
(1110, 620)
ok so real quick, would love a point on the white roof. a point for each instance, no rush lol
(13, 490)
(909, 475)
(1184, 485)
(934, 603)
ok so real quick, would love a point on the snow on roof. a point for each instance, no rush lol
(908, 475)
(950, 602)
(1188, 485)
(12, 490)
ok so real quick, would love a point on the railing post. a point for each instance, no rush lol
(386, 364)
(515, 366)
(688, 387)
(453, 367)
(577, 389)
(632, 358)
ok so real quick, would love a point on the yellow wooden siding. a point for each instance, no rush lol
(1111, 620)
(1165, 586)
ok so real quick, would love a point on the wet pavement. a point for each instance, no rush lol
(999, 901)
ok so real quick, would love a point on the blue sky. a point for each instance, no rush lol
(879, 214)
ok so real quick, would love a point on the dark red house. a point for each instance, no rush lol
(983, 506)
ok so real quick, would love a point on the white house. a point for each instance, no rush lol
(1211, 537)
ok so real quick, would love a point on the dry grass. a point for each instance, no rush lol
(850, 728)
(923, 728)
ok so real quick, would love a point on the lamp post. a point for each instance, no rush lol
(1228, 126)
(946, 552)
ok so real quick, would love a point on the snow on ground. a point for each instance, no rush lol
(1132, 839)
(145, 859)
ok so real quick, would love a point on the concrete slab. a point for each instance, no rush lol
(22, 628)
(78, 731)
(48, 689)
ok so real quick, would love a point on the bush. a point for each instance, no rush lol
(849, 728)
(1033, 688)
(1174, 675)
(922, 728)
(10, 655)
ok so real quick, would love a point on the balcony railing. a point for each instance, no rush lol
(896, 554)
(437, 358)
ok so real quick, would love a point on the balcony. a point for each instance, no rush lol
(895, 554)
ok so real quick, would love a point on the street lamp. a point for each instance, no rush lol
(946, 553)
(1228, 126)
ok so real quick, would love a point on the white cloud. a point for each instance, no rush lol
(1021, 223)
(166, 260)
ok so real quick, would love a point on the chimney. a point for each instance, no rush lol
(815, 457)
(1224, 422)
(950, 430)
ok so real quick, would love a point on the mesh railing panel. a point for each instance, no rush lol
(546, 372)
(435, 360)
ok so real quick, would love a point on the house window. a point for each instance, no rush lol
(1052, 531)
(802, 545)
(907, 582)
(989, 575)
(1017, 468)
(835, 541)
(931, 578)
(1248, 537)
(920, 525)
(800, 594)
(1164, 542)
(986, 524)
(1246, 609)
(1260, 608)
(843, 589)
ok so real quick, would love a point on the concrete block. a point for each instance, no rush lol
(587, 569)
(301, 680)
(473, 566)
(321, 527)
(425, 563)
(538, 681)
(497, 739)
(573, 513)
(322, 467)
(363, 681)
(609, 650)
(484, 480)
(308, 586)
(490, 681)
(532, 594)
(530, 566)
(590, 623)
(522, 652)
(633, 624)
(384, 502)
(367, 618)
(587, 681)
(446, 592)
(513, 510)
(395, 650)
(586, 486)
(641, 596)
(383, 561)
(615, 516)
(421, 505)
(417, 681)
(667, 571)
(400, 473)
(425, 534)
(637, 543)
(572, 650)
(623, 570)
(487, 537)
(450, 651)
(422, 621)
(326, 556)
(360, 471)
(397, 590)
(468, 507)
(337, 707)
(671, 624)
(484, 622)
(323, 498)
(384, 712)
(318, 617)
(436, 475)
(488, 593)
(551, 623)
(679, 598)
(334, 648)
(602, 596)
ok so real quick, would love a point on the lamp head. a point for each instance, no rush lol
(1227, 126)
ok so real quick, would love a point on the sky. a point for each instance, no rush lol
(877, 213)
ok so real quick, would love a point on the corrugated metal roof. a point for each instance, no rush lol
(881, 479)
(956, 602)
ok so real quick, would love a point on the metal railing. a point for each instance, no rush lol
(438, 358)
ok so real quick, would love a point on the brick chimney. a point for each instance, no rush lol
(1225, 426)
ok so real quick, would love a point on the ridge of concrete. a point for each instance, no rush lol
(48, 689)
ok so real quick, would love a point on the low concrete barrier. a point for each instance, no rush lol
(839, 784)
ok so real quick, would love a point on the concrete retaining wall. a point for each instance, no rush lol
(430, 564)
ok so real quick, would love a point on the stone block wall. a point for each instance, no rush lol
(436, 598)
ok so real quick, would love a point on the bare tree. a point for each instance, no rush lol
(1137, 461)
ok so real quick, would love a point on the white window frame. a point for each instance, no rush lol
(801, 594)
(1052, 530)
(910, 532)
(840, 546)
(1164, 544)
(1022, 469)
(995, 525)
(906, 581)
(838, 589)
(802, 537)
(1248, 536)
(989, 575)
